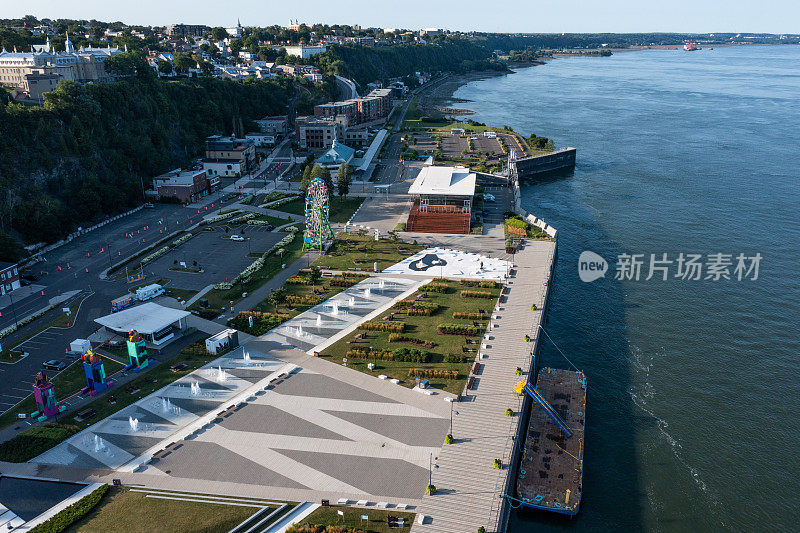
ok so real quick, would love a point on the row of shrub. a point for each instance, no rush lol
(262, 322)
(161, 251)
(477, 294)
(304, 299)
(244, 218)
(432, 373)
(222, 216)
(484, 283)
(402, 355)
(420, 308)
(396, 337)
(470, 316)
(458, 329)
(386, 327)
(435, 287)
(456, 358)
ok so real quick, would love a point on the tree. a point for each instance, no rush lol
(183, 62)
(322, 173)
(164, 67)
(343, 179)
(314, 276)
(206, 68)
(219, 33)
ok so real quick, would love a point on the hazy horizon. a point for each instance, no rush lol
(549, 16)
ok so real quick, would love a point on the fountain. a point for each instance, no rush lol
(134, 423)
(221, 375)
(99, 445)
(299, 330)
(381, 284)
(245, 356)
(351, 302)
(195, 388)
(366, 292)
(319, 320)
(334, 308)
(166, 405)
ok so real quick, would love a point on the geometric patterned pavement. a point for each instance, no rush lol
(250, 417)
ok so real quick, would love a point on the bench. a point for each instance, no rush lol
(85, 414)
(470, 382)
(179, 367)
(476, 367)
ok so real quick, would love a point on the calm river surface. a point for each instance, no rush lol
(694, 397)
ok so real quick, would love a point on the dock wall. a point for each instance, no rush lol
(558, 160)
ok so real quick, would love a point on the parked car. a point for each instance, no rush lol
(149, 206)
(54, 364)
(488, 197)
(237, 238)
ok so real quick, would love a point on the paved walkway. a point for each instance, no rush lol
(469, 490)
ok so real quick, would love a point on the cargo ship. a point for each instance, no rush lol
(550, 476)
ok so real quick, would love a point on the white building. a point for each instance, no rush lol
(305, 51)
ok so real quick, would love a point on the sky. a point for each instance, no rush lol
(537, 16)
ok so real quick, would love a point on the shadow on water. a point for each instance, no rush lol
(588, 323)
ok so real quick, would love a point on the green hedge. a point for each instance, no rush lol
(73, 513)
(35, 441)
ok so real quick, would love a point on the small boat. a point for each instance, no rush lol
(691, 47)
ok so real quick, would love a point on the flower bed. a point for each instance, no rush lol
(470, 316)
(432, 373)
(304, 299)
(457, 329)
(396, 337)
(476, 294)
(484, 284)
(401, 354)
(386, 327)
(435, 287)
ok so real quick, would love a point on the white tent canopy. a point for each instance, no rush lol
(147, 318)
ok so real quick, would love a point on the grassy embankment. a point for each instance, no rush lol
(446, 353)
(133, 512)
(327, 517)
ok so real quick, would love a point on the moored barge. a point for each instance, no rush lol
(550, 475)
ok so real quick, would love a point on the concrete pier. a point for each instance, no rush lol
(469, 490)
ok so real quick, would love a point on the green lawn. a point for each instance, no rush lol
(361, 251)
(179, 294)
(134, 512)
(34, 441)
(376, 523)
(68, 382)
(424, 328)
(341, 209)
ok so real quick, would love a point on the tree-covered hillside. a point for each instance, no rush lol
(81, 155)
(365, 64)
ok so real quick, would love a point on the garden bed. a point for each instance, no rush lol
(419, 348)
(351, 250)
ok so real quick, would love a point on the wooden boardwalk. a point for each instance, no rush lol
(469, 490)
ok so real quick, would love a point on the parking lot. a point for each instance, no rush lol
(215, 253)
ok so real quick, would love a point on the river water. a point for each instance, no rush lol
(694, 397)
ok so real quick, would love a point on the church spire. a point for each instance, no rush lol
(68, 45)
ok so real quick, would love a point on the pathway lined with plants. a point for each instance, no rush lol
(468, 485)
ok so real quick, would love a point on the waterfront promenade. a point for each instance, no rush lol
(469, 491)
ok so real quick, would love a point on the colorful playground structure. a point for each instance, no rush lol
(318, 228)
(95, 372)
(137, 352)
(44, 392)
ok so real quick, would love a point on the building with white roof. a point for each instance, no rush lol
(443, 200)
(156, 323)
